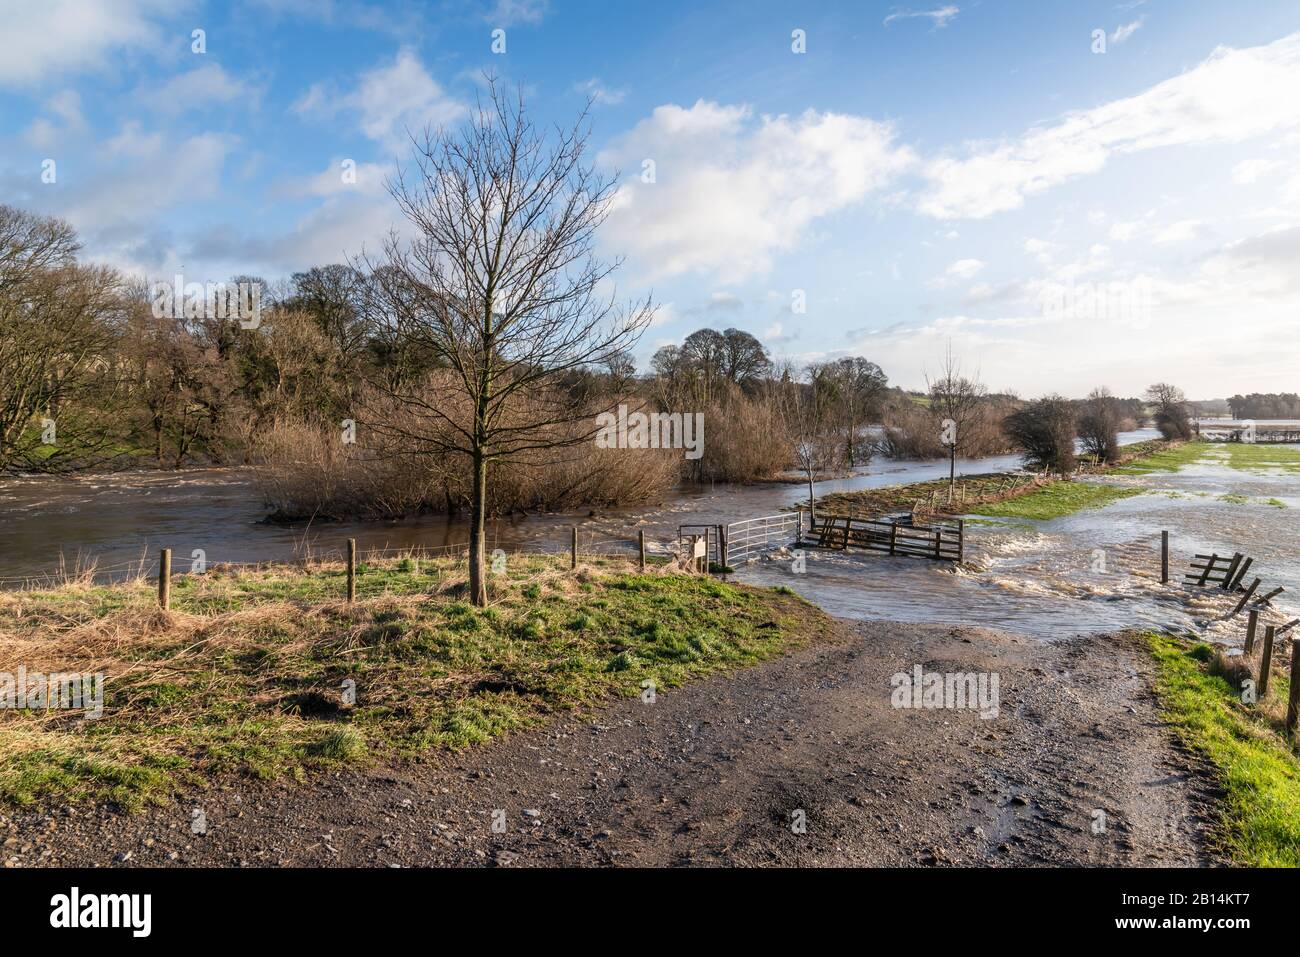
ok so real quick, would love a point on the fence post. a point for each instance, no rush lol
(1266, 661)
(165, 579)
(1293, 706)
(640, 535)
(573, 552)
(1164, 558)
(722, 547)
(352, 570)
(1252, 620)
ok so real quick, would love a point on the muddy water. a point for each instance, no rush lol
(1093, 571)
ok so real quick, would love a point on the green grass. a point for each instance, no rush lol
(1247, 457)
(245, 675)
(1168, 459)
(1057, 500)
(1259, 819)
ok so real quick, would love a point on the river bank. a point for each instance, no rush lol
(1054, 496)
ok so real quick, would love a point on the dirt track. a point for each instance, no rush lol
(714, 773)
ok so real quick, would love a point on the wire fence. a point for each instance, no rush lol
(85, 570)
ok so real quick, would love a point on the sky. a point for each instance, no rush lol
(1067, 195)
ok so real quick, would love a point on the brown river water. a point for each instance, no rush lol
(1094, 571)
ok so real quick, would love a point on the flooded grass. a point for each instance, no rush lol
(1057, 500)
(1262, 458)
(1167, 459)
(1259, 824)
(246, 674)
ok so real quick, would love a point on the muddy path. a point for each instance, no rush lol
(717, 773)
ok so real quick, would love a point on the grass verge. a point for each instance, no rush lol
(246, 674)
(1257, 767)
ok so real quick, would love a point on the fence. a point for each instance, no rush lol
(940, 539)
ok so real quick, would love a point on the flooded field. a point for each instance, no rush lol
(1094, 571)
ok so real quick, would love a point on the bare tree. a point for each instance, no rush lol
(956, 404)
(1099, 425)
(502, 287)
(1170, 410)
(58, 320)
(810, 424)
(855, 386)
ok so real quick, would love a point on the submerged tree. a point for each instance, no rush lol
(501, 287)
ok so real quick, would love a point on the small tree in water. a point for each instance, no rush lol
(502, 290)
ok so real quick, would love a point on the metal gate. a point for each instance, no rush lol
(744, 541)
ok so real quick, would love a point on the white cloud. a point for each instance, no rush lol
(733, 190)
(1216, 101)
(1181, 231)
(388, 101)
(600, 94)
(203, 86)
(45, 132)
(51, 38)
(1122, 33)
(962, 270)
(1248, 171)
(507, 13)
(939, 16)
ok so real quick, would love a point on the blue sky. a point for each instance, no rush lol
(957, 172)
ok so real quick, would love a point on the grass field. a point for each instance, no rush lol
(1259, 822)
(245, 674)
(1057, 500)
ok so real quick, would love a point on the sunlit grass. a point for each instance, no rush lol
(1259, 819)
(1057, 500)
(246, 674)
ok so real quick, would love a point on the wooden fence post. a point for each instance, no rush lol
(1265, 662)
(1293, 705)
(1164, 558)
(573, 553)
(165, 579)
(352, 570)
(640, 535)
(1252, 621)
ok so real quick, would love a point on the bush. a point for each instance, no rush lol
(1045, 430)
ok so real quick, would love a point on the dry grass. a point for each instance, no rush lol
(245, 675)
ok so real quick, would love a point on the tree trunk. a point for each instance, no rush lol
(952, 470)
(812, 509)
(477, 508)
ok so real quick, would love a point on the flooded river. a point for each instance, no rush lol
(1094, 571)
